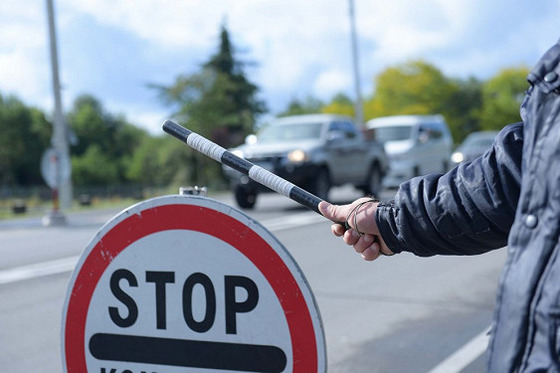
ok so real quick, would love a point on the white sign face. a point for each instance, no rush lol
(181, 283)
(55, 168)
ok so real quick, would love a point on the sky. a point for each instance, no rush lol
(114, 49)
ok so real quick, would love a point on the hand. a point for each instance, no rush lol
(370, 244)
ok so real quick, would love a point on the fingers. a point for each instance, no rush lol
(370, 254)
(364, 245)
(338, 230)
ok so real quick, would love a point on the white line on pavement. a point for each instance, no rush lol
(463, 357)
(292, 221)
(53, 267)
(30, 271)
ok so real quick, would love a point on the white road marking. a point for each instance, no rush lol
(292, 221)
(464, 356)
(53, 267)
(35, 270)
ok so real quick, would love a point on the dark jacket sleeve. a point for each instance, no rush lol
(467, 211)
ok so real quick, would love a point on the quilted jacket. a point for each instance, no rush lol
(508, 197)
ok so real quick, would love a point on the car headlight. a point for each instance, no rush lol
(457, 157)
(297, 156)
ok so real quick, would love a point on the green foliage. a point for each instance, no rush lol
(417, 87)
(25, 135)
(106, 144)
(310, 105)
(218, 102)
(462, 108)
(94, 168)
(160, 161)
(340, 104)
(412, 88)
(502, 96)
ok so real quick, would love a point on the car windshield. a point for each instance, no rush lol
(289, 132)
(393, 133)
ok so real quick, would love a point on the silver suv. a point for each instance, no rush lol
(314, 152)
(415, 145)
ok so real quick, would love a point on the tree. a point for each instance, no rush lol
(463, 108)
(160, 161)
(25, 136)
(105, 145)
(218, 102)
(340, 104)
(310, 105)
(502, 96)
(418, 87)
(94, 168)
(415, 87)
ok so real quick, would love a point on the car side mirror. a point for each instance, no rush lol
(423, 137)
(335, 135)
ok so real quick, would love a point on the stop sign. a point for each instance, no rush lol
(179, 283)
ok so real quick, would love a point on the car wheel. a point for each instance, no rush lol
(373, 182)
(245, 199)
(322, 184)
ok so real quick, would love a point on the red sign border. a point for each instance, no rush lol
(205, 220)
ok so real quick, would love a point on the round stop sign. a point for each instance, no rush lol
(180, 283)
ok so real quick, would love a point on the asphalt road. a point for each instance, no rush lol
(397, 314)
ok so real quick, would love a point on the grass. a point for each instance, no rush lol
(33, 209)
(35, 206)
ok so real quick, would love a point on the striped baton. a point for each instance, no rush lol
(253, 171)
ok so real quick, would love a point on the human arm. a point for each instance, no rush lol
(469, 210)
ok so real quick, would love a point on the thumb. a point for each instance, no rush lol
(331, 212)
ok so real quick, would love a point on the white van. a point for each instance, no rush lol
(415, 145)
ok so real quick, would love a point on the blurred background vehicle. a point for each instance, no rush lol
(314, 152)
(474, 145)
(415, 145)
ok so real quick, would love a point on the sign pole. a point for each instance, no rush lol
(60, 137)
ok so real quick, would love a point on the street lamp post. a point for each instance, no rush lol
(62, 189)
(359, 112)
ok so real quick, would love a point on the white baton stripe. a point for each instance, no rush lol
(270, 180)
(205, 146)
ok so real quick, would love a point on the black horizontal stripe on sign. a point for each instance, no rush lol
(187, 353)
